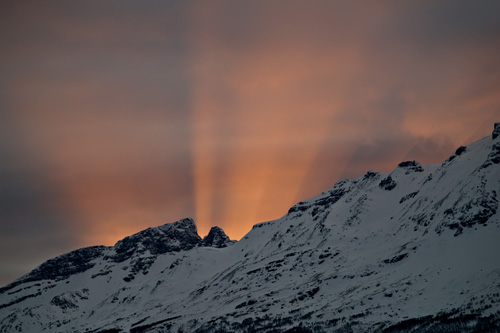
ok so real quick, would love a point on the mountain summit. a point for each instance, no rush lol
(415, 249)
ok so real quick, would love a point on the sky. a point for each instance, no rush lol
(116, 116)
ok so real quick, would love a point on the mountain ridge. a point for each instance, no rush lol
(178, 236)
(413, 249)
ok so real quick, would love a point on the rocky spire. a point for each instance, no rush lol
(496, 131)
(216, 238)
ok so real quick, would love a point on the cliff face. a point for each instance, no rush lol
(414, 249)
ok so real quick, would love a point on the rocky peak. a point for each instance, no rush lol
(216, 238)
(496, 131)
(172, 237)
(184, 225)
(411, 166)
(62, 267)
(387, 183)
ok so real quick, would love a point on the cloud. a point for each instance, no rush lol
(36, 220)
(288, 95)
(114, 119)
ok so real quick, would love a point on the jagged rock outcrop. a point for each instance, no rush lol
(172, 237)
(216, 238)
(387, 184)
(140, 250)
(496, 131)
(411, 166)
(62, 267)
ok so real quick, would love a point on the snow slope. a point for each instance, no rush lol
(416, 249)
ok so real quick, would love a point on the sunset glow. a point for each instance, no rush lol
(118, 119)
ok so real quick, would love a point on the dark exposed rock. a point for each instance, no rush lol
(171, 237)
(324, 202)
(488, 207)
(470, 213)
(144, 328)
(460, 150)
(216, 238)
(62, 267)
(408, 196)
(20, 299)
(334, 196)
(496, 131)
(411, 166)
(493, 156)
(63, 302)
(396, 258)
(140, 264)
(447, 322)
(387, 183)
(370, 174)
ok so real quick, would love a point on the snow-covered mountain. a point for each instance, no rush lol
(417, 249)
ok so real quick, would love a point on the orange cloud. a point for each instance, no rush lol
(228, 111)
(266, 110)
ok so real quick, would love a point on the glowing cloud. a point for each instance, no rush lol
(117, 119)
